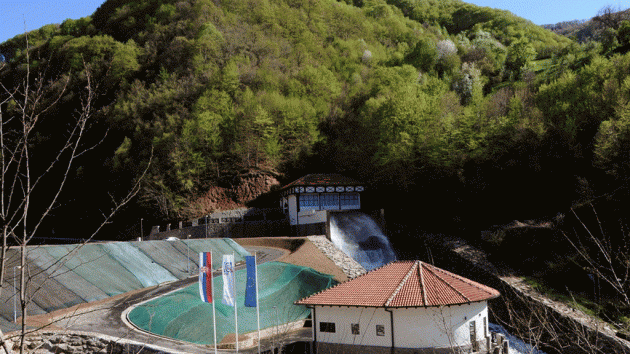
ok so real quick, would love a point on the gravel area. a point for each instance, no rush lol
(349, 266)
(316, 252)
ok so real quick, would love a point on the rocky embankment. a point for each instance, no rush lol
(235, 193)
(553, 325)
(71, 342)
(350, 267)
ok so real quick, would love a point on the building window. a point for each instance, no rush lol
(380, 330)
(327, 327)
(329, 201)
(355, 328)
(309, 202)
(350, 201)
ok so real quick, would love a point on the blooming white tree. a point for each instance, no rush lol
(445, 48)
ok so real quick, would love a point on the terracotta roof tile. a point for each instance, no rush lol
(371, 289)
(403, 284)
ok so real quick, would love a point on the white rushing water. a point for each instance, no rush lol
(359, 236)
(517, 346)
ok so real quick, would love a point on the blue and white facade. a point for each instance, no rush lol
(309, 199)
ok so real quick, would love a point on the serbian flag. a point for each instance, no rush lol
(205, 276)
(228, 280)
(250, 289)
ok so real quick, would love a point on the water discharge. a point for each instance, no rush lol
(359, 236)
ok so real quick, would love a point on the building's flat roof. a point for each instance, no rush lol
(403, 284)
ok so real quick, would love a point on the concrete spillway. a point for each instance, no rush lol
(60, 276)
(359, 236)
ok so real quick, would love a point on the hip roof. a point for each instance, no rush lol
(403, 284)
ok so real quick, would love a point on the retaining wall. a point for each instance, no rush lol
(71, 342)
(528, 313)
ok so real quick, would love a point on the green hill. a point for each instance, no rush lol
(409, 96)
(455, 116)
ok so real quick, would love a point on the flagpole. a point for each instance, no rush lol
(235, 307)
(257, 302)
(214, 314)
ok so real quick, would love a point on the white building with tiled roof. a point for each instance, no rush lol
(402, 307)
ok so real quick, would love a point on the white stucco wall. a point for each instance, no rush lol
(439, 327)
(432, 327)
(311, 216)
(366, 317)
(292, 209)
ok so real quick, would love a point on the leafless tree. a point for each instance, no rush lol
(288, 323)
(22, 186)
(605, 256)
(552, 327)
(610, 17)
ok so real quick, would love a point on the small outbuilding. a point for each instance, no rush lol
(308, 200)
(402, 307)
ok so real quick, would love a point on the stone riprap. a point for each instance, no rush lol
(349, 266)
(71, 342)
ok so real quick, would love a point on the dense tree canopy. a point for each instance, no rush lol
(415, 96)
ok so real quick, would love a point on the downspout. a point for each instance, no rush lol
(313, 324)
(391, 317)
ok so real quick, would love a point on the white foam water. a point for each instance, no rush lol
(359, 236)
(517, 346)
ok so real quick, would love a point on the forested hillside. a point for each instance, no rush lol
(471, 114)
(457, 117)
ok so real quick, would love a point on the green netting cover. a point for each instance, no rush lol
(92, 263)
(65, 275)
(146, 271)
(182, 315)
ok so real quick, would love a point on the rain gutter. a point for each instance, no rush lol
(391, 317)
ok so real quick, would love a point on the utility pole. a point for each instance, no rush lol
(187, 254)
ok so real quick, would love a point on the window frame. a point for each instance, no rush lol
(353, 198)
(312, 198)
(380, 330)
(327, 327)
(324, 196)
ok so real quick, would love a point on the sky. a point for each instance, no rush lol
(18, 15)
(544, 12)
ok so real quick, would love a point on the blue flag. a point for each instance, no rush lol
(250, 290)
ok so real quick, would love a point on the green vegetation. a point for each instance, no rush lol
(463, 107)
(473, 116)
(578, 302)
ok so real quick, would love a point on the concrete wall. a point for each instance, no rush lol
(230, 230)
(311, 216)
